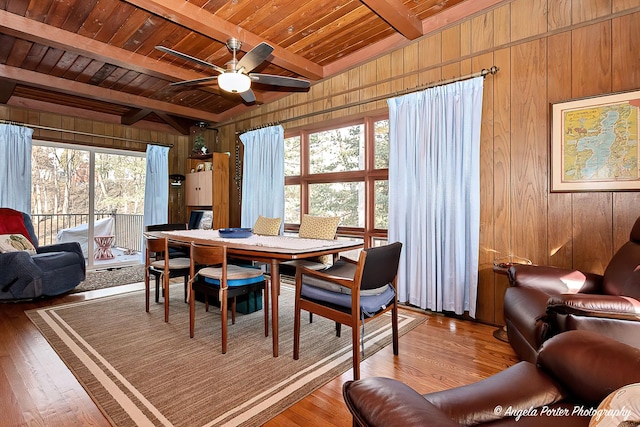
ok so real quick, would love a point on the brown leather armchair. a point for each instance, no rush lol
(575, 371)
(544, 301)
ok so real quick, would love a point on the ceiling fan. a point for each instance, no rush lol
(237, 77)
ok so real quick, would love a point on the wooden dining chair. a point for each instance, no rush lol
(316, 227)
(351, 293)
(174, 252)
(212, 276)
(159, 264)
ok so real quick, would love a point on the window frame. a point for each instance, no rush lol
(369, 175)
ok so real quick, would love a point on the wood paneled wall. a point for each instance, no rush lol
(177, 154)
(547, 51)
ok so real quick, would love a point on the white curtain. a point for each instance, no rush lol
(15, 167)
(263, 175)
(156, 190)
(434, 194)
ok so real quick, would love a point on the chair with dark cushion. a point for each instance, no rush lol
(544, 301)
(573, 373)
(351, 293)
(50, 270)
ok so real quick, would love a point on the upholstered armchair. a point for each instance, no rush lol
(573, 373)
(28, 270)
(545, 301)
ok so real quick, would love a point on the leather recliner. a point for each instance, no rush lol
(575, 372)
(544, 301)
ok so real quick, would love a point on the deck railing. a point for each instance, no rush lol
(127, 227)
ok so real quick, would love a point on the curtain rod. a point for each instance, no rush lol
(265, 125)
(483, 73)
(76, 132)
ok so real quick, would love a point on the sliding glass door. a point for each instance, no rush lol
(92, 196)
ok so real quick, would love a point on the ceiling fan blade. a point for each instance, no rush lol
(248, 96)
(254, 57)
(194, 81)
(269, 79)
(190, 58)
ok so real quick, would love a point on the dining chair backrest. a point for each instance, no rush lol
(173, 251)
(166, 227)
(208, 255)
(380, 265)
(156, 245)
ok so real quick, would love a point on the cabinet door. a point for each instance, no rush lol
(198, 188)
(206, 188)
(191, 188)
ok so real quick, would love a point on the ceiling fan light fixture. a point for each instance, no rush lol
(234, 82)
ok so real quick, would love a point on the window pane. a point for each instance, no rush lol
(381, 135)
(337, 150)
(343, 199)
(60, 188)
(120, 183)
(119, 193)
(354, 253)
(379, 241)
(292, 204)
(292, 156)
(381, 189)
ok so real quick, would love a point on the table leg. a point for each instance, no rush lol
(275, 285)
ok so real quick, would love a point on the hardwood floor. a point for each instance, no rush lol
(37, 388)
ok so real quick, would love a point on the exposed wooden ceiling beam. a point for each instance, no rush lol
(395, 41)
(47, 35)
(396, 14)
(196, 19)
(181, 125)
(134, 116)
(71, 87)
(32, 104)
(6, 90)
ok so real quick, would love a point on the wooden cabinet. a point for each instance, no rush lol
(207, 187)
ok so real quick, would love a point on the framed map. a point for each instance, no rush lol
(594, 144)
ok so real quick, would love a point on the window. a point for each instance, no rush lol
(71, 185)
(340, 171)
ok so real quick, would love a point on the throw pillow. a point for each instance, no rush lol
(14, 243)
(319, 227)
(267, 226)
(206, 223)
(13, 222)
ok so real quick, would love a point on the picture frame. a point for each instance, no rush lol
(594, 144)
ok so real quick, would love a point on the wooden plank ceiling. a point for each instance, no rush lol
(97, 58)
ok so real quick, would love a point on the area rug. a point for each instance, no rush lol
(142, 371)
(101, 279)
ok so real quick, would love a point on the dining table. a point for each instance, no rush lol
(268, 249)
